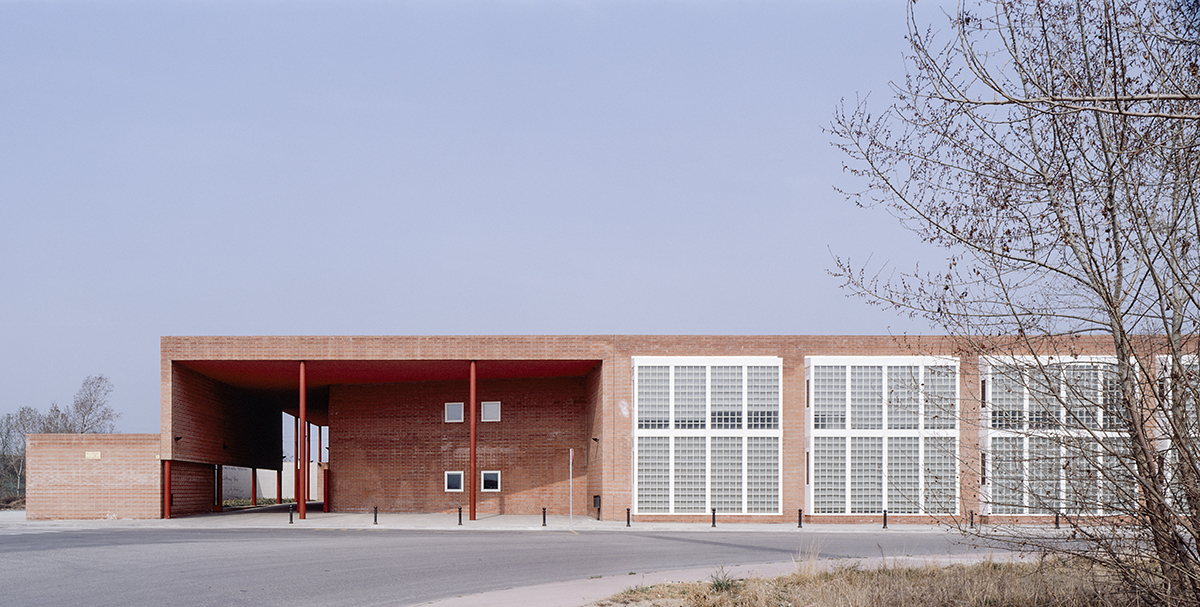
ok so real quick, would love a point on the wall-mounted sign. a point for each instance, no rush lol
(92, 455)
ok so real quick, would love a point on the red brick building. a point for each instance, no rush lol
(669, 427)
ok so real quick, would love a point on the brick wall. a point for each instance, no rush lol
(219, 424)
(193, 488)
(90, 476)
(389, 446)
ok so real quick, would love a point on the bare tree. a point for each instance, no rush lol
(90, 412)
(1050, 149)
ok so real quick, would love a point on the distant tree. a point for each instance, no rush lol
(88, 413)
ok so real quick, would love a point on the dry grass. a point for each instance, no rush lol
(989, 584)
(12, 502)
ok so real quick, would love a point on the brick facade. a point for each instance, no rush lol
(382, 400)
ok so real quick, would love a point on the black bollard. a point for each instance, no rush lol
(460, 516)
(800, 518)
(543, 517)
(376, 515)
(1056, 520)
(972, 519)
(597, 514)
(885, 519)
(627, 517)
(291, 508)
(714, 517)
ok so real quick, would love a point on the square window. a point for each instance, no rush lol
(454, 412)
(454, 481)
(491, 480)
(490, 411)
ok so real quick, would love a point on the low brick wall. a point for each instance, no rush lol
(90, 476)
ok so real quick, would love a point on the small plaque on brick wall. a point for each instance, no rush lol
(92, 454)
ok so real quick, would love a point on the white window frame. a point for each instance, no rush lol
(671, 433)
(483, 481)
(849, 433)
(987, 366)
(447, 417)
(446, 481)
(483, 410)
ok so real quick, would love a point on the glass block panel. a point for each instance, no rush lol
(941, 390)
(762, 474)
(903, 468)
(727, 474)
(691, 454)
(691, 396)
(866, 475)
(1114, 407)
(1045, 464)
(1045, 399)
(1008, 399)
(654, 397)
(829, 474)
(829, 397)
(1082, 479)
(762, 398)
(654, 480)
(904, 397)
(1081, 388)
(866, 398)
(941, 475)
(1118, 490)
(1008, 475)
(726, 406)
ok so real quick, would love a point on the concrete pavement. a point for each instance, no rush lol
(571, 593)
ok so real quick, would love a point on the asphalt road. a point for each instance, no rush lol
(297, 567)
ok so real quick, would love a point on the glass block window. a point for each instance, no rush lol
(712, 427)
(654, 474)
(866, 475)
(829, 397)
(691, 397)
(1082, 477)
(904, 397)
(654, 397)
(941, 474)
(727, 398)
(1007, 399)
(691, 455)
(901, 408)
(1008, 475)
(866, 398)
(1118, 490)
(904, 467)
(1053, 462)
(829, 474)
(762, 398)
(727, 474)
(1045, 401)
(941, 394)
(1045, 463)
(762, 475)
(1081, 388)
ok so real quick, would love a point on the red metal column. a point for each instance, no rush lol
(166, 488)
(307, 464)
(320, 430)
(471, 474)
(302, 491)
(279, 485)
(254, 486)
(296, 456)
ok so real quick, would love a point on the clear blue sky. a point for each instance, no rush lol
(461, 167)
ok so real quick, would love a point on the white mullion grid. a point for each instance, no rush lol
(708, 433)
(671, 439)
(885, 410)
(746, 443)
(922, 397)
(849, 440)
(708, 442)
